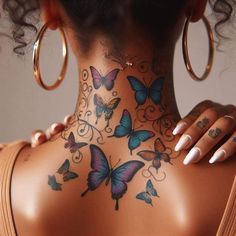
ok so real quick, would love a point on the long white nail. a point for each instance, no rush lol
(219, 155)
(183, 142)
(180, 128)
(192, 156)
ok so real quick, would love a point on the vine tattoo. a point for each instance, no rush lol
(92, 124)
(159, 154)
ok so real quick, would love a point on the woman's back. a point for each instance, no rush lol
(114, 171)
(190, 200)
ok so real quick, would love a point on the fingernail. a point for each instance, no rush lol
(183, 142)
(219, 155)
(56, 127)
(192, 156)
(67, 119)
(38, 136)
(180, 128)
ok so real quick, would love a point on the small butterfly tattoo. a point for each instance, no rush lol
(73, 145)
(148, 194)
(101, 80)
(143, 92)
(106, 108)
(52, 182)
(65, 171)
(159, 154)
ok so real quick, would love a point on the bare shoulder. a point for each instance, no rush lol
(49, 186)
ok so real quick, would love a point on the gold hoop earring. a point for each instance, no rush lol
(36, 55)
(186, 54)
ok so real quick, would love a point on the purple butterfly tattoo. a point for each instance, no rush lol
(73, 145)
(101, 80)
(102, 171)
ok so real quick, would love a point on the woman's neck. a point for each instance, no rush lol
(138, 81)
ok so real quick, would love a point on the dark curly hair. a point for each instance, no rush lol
(107, 15)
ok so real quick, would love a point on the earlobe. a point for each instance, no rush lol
(196, 9)
(50, 13)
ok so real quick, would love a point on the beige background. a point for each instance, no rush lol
(24, 106)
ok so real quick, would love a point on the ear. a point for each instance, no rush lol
(50, 13)
(196, 9)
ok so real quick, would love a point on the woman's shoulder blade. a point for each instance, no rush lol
(153, 195)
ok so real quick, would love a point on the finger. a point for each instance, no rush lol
(214, 135)
(225, 151)
(67, 119)
(2, 146)
(189, 119)
(201, 125)
(54, 129)
(38, 137)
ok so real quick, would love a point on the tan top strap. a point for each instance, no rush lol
(228, 222)
(7, 160)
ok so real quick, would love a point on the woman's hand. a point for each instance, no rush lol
(39, 137)
(204, 127)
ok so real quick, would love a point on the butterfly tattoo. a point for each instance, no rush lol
(65, 171)
(142, 92)
(148, 194)
(159, 154)
(135, 136)
(52, 182)
(106, 108)
(107, 80)
(73, 145)
(118, 177)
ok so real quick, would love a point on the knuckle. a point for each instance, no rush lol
(224, 122)
(212, 113)
(230, 107)
(207, 103)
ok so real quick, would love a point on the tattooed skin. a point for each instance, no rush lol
(214, 133)
(66, 174)
(106, 108)
(125, 128)
(203, 123)
(147, 195)
(104, 114)
(118, 177)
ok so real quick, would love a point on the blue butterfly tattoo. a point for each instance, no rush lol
(52, 182)
(106, 108)
(142, 92)
(65, 171)
(135, 136)
(119, 177)
(150, 191)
